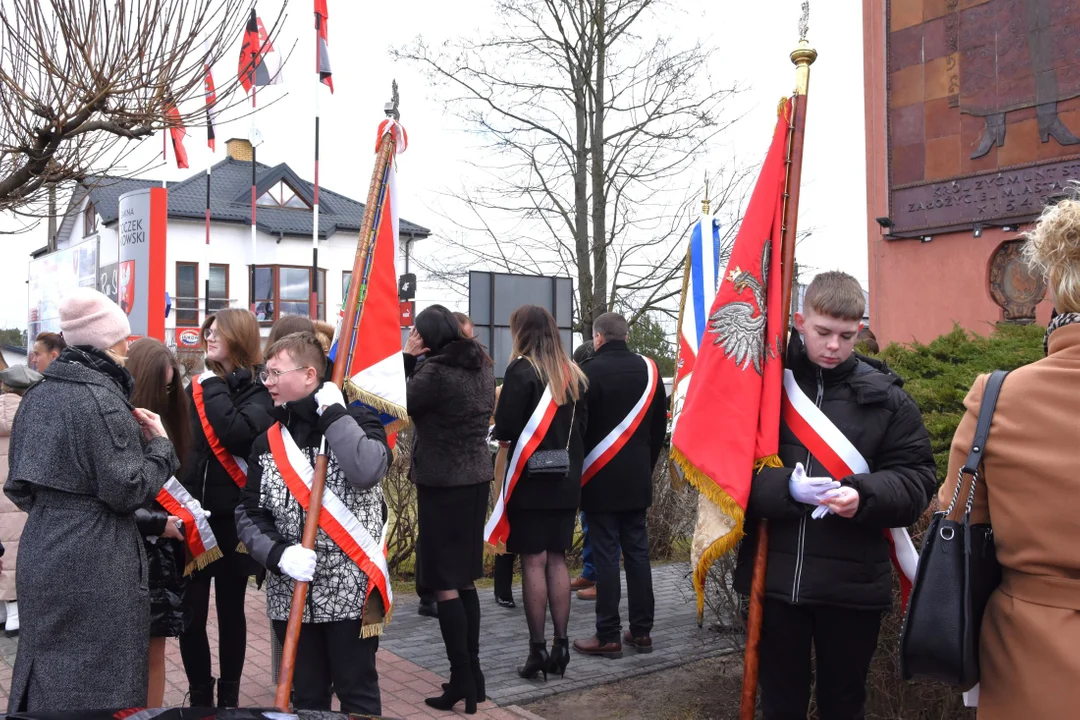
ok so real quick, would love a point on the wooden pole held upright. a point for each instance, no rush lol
(803, 56)
(365, 246)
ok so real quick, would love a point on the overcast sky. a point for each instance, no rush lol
(751, 41)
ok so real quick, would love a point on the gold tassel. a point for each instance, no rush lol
(354, 393)
(242, 549)
(203, 560)
(772, 461)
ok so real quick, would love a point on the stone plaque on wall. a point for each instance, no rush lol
(1015, 288)
(984, 98)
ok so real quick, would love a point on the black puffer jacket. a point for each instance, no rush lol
(838, 561)
(166, 568)
(451, 397)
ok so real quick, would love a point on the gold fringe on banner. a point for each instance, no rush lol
(203, 560)
(354, 393)
(718, 497)
(241, 548)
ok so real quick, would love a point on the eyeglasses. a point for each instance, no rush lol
(209, 333)
(266, 375)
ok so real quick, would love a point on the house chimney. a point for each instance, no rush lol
(239, 149)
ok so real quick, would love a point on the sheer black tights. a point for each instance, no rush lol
(545, 583)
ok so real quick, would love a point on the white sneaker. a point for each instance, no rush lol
(11, 626)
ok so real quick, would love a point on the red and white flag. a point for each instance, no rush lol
(497, 528)
(322, 51)
(202, 546)
(335, 518)
(260, 63)
(177, 133)
(614, 441)
(841, 459)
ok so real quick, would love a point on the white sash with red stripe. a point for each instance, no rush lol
(235, 465)
(498, 525)
(614, 441)
(335, 519)
(840, 458)
(200, 540)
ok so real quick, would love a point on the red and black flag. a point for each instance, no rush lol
(322, 59)
(259, 63)
(177, 131)
(211, 100)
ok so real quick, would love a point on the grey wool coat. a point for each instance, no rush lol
(79, 466)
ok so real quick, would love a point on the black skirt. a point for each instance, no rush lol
(537, 531)
(450, 546)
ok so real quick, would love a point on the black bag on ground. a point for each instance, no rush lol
(958, 570)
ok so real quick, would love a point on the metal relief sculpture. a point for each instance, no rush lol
(1013, 286)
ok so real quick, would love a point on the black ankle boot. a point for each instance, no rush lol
(228, 693)
(201, 695)
(537, 662)
(453, 624)
(560, 656)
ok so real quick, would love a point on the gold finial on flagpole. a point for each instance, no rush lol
(803, 55)
(705, 201)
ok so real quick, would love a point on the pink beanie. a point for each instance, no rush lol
(88, 317)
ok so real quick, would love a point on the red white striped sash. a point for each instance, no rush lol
(200, 540)
(840, 459)
(335, 519)
(610, 446)
(498, 525)
(235, 465)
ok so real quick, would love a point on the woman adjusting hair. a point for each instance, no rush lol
(82, 461)
(539, 423)
(230, 408)
(451, 396)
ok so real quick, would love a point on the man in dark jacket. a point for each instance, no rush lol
(342, 620)
(829, 577)
(624, 437)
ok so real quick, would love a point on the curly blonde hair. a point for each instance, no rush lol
(1053, 248)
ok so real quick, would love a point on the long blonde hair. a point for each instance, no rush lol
(536, 338)
(1053, 248)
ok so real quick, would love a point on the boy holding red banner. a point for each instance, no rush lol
(349, 594)
(857, 462)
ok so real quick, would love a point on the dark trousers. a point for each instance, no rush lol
(333, 656)
(844, 641)
(426, 595)
(504, 576)
(607, 532)
(229, 590)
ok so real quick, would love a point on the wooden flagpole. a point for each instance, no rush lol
(364, 249)
(803, 56)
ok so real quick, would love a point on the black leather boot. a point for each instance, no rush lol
(560, 656)
(454, 626)
(228, 693)
(471, 601)
(537, 662)
(201, 695)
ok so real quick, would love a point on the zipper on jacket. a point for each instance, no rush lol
(801, 546)
(205, 471)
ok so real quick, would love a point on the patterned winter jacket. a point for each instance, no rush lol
(269, 519)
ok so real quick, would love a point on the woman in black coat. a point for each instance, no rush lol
(230, 408)
(542, 508)
(451, 396)
(158, 388)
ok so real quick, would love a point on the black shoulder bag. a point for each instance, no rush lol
(553, 464)
(958, 570)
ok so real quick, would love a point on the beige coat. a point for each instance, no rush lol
(12, 518)
(1029, 489)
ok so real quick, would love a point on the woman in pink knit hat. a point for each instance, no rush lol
(82, 461)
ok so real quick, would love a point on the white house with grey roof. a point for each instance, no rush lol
(282, 255)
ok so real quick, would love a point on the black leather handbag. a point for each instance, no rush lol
(552, 464)
(958, 570)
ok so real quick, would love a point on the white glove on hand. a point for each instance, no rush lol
(822, 510)
(298, 563)
(204, 376)
(809, 490)
(329, 394)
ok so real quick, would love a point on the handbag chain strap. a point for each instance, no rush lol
(573, 413)
(978, 444)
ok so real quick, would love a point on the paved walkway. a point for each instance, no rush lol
(412, 662)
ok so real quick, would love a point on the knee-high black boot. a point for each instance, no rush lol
(454, 626)
(471, 601)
